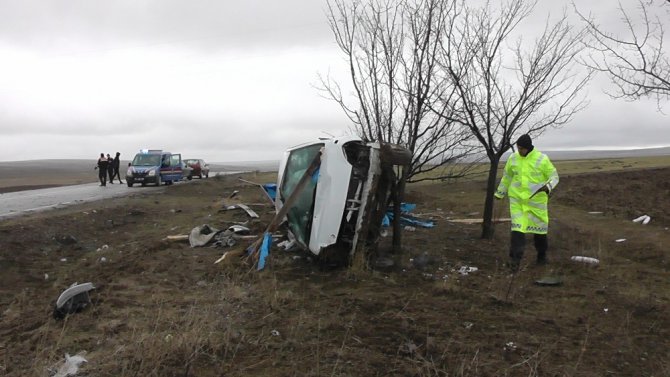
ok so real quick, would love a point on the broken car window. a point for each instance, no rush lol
(300, 215)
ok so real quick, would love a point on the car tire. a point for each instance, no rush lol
(158, 180)
(130, 184)
(207, 175)
(190, 177)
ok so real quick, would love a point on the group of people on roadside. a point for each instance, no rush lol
(108, 166)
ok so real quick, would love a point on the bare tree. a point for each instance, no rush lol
(635, 63)
(505, 87)
(390, 47)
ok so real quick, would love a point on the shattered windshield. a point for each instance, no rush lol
(147, 160)
(300, 215)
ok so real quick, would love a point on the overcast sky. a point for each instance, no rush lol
(220, 80)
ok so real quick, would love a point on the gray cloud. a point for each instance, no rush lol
(220, 80)
(76, 25)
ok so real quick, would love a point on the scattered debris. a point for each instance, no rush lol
(620, 240)
(606, 310)
(465, 270)
(233, 194)
(408, 228)
(274, 333)
(595, 213)
(73, 299)
(644, 219)
(550, 281)
(103, 247)
(46, 276)
(468, 325)
(245, 207)
(587, 260)
(202, 235)
(70, 366)
(269, 189)
(103, 260)
(510, 346)
(63, 259)
(287, 245)
(177, 237)
(239, 229)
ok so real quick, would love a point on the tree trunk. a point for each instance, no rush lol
(397, 200)
(487, 224)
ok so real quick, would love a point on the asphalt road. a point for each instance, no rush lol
(22, 202)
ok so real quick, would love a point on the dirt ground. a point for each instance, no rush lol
(164, 309)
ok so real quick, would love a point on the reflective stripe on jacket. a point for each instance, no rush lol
(522, 179)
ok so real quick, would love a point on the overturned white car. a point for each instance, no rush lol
(340, 207)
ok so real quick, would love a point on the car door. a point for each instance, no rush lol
(175, 161)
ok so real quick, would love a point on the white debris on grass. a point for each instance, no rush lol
(274, 333)
(465, 270)
(644, 219)
(510, 346)
(70, 366)
(620, 240)
(587, 260)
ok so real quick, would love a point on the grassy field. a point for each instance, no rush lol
(164, 309)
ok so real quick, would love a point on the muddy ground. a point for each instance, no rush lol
(164, 309)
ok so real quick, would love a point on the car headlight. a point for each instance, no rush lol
(152, 173)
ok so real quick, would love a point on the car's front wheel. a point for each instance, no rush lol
(130, 184)
(158, 180)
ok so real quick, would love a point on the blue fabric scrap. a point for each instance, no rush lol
(271, 190)
(265, 250)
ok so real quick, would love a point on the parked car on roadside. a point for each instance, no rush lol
(199, 166)
(154, 166)
(186, 171)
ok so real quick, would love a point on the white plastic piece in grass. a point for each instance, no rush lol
(620, 240)
(587, 260)
(646, 220)
(642, 219)
(71, 365)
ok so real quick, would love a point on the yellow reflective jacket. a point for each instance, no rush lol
(522, 179)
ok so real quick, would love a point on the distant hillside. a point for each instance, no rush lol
(593, 154)
(263, 166)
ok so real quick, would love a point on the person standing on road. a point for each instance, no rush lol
(110, 167)
(115, 168)
(528, 180)
(102, 166)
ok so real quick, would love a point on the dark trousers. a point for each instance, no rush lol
(116, 174)
(518, 245)
(102, 174)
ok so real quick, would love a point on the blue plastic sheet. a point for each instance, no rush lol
(406, 218)
(271, 190)
(264, 251)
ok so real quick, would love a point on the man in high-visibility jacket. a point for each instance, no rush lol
(528, 180)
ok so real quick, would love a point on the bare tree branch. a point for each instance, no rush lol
(502, 90)
(391, 47)
(635, 63)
